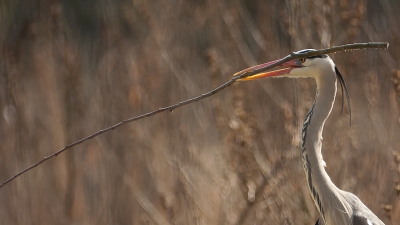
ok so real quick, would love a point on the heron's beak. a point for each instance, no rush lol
(292, 64)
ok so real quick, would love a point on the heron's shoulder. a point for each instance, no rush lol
(361, 215)
(364, 220)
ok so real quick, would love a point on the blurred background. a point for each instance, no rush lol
(71, 68)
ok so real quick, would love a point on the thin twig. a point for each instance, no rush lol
(376, 45)
(293, 55)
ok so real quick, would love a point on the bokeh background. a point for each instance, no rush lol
(70, 68)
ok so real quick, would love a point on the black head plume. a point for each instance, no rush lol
(343, 86)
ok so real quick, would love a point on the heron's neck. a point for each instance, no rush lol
(317, 178)
(315, 120)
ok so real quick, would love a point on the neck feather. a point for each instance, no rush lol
(323, 191)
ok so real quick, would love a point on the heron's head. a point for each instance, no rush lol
(319, 67)
(314, 66)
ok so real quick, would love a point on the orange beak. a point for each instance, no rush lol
(285, 71)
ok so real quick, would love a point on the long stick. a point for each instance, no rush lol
(356, 46)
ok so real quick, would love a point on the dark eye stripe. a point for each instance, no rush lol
(312, 57)
(317, 56)
(305, 50)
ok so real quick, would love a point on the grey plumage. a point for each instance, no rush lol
(335, 206)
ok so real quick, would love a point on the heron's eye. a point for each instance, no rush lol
(302, 60)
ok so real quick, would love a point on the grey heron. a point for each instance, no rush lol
(335, 206)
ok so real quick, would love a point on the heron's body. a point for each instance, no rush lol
(335, 206)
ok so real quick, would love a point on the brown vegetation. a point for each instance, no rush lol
(71, 68)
